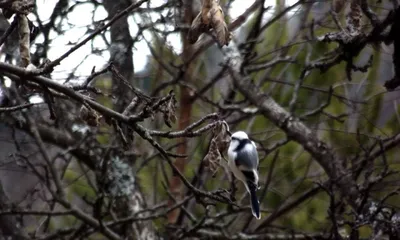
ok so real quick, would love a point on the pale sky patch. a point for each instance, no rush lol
(82, 16)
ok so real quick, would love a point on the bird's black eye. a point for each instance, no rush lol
(235, 138)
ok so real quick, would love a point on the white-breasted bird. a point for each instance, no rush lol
(243, 162)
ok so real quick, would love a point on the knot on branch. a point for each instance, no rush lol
(165, 105)
(89, 116)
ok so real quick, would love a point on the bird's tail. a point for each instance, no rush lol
(255, 204)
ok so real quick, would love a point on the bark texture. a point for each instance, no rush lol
(122, 57)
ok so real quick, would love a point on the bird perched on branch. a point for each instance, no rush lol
(243, 162)
(211, 16)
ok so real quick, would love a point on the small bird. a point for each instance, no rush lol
(243, 162)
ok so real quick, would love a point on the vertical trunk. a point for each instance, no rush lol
(281, 4)
(120, 51)
(122, 57)
(185, 113)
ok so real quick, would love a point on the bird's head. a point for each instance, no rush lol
(240, 138)
(237, 137)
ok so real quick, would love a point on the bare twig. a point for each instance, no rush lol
(50, 66)
(16, 108)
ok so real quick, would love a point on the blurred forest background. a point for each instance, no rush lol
(94, 147)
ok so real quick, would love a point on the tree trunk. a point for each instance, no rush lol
(121, 56)
(185, 113)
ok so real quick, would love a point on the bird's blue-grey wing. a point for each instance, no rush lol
(247, 159)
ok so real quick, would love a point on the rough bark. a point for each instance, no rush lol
(122, 57)
(120, 51)
(24, 42)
